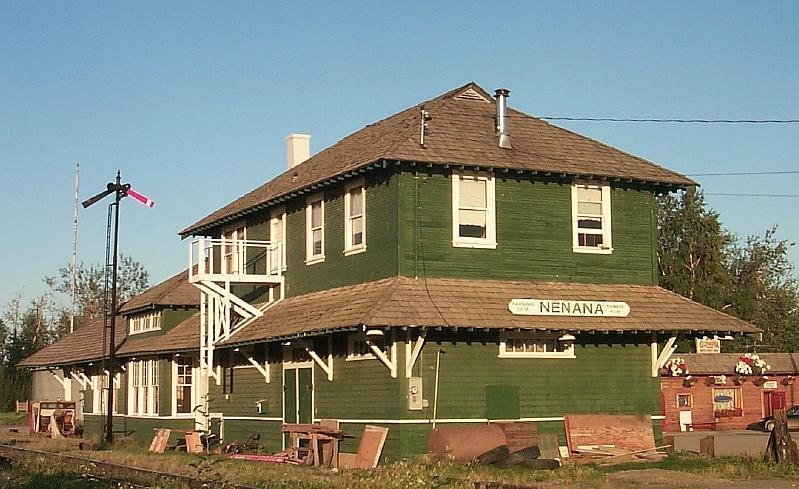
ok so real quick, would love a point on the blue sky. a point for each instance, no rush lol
(192, 100)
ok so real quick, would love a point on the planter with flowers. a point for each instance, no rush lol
(750, 364)
(675, 367)
(728, 413)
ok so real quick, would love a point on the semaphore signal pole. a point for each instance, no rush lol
(119, 190)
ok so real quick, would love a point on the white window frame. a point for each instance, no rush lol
(606, 247)
(236, 234)
(566, 346)
(144, 323)
(349, 247)
(354, 338)
(490, 240)
(176, 364)
(310, 257)
(143, 387)
(99, 395)
(277, 220)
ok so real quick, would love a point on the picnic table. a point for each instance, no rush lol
(316, 435)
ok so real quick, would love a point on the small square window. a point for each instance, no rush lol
(535, 345)
(684, 400)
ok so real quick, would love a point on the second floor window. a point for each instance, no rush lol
(277, 236)
(591, 218)
(473, 211)
(141, 323)
(315, 229)
(355, 218)
(233, 250)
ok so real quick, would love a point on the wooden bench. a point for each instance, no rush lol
(706, 425)
(22, 406)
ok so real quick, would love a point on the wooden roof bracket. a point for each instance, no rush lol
(61, 381)
(658, 361)
(390, 362)
(325, 365)
(412, 352)
(81, 378)
(264, 370)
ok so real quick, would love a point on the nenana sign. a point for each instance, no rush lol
(557, 307)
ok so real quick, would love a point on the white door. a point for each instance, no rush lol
(686, 418)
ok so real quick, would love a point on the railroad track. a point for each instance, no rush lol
(133, 477)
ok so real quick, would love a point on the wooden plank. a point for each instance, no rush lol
(371, 446)
(193, 442)
(160, 440)
(628, 432)
(548, 444)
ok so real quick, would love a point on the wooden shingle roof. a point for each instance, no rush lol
(724, 363)
(174, 291)
(84, 345)
(460, 132)
(183, 337)
(483, 304)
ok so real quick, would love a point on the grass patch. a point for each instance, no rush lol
(12, 418)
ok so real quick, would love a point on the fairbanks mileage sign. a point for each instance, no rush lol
(547, 307)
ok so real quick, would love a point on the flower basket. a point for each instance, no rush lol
(728, 413)
(789, 380)
(739, 379)
(751, 364)
(760, 380)
(675, 367)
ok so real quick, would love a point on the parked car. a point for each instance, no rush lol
(792, 414)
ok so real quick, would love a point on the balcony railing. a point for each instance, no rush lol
(236, 261)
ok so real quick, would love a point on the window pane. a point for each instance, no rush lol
(357, 231)
(586, 239)
(356, 201)
(473, 193)
(316, 214)
(589, 223)
(589, 208)
(317, 242)
(277, 230)
(589, 194)
(472, 224)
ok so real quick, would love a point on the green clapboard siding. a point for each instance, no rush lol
(534, 234)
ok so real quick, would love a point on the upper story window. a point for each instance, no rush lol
(355, 218)
(143, 387)
(535, 345)
(591, 218)
(277, 236)
(233, 250)
(315, 229)
(141, 323)
(473, 211)
(358, 346)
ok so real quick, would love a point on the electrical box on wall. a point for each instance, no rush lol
(415, 401)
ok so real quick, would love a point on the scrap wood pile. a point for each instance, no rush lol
(610, 439)
(781, 448)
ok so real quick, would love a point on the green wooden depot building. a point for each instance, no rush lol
(456, 262)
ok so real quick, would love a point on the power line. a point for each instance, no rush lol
(744, 173)
(673, 121)
(755, 195)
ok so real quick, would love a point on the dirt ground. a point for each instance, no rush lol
(659, 478)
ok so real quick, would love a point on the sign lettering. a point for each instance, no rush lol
(546, 307)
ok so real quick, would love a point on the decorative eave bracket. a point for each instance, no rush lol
(412, 353)
(264, 369)
(658, 361)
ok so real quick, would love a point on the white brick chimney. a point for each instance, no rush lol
(298, 148)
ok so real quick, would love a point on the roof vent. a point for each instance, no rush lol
(502, 95)
(298, 148)
(471, 94)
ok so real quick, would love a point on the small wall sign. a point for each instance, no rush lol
(708, 345)
(546, 307)
(770, 384)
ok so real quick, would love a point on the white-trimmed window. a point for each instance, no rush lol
(358, 346)
(315, 229)
(277, 236)
(143, 387)
(591, 218)
(355, 217)
(473, 211)
(233, 249)
(183, 370)
(523, 344)
(142, 323)
(100, 393)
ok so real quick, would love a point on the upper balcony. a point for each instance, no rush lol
(238, 260)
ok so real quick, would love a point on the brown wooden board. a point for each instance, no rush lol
(548, 444)
(193, 442)
(160, 440)
(370, 447)
(520, 435)
(464, 443)
(628, 432)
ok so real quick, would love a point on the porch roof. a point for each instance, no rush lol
(183, 337)
(174, 291)
(483, 304)
(82, 346)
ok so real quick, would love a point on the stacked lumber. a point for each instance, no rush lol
(610, 439)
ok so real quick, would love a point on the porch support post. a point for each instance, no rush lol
(412, 354)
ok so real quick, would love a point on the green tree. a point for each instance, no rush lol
(692, 249)
(764, 290)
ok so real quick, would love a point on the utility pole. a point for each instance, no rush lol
(74, 251)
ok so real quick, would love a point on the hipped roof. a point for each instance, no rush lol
(724, 363)
(461, 131)
(174, 291)
(82, 346)
(483, 304)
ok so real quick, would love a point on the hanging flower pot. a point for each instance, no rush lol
(739, 379)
